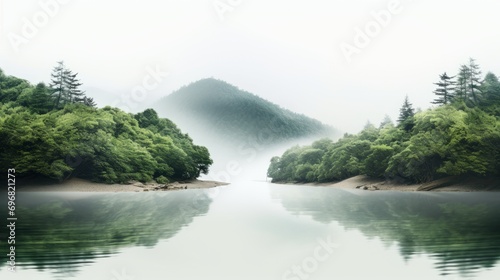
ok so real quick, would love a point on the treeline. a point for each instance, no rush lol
(63, 89)
(57, 132)
(459, 137)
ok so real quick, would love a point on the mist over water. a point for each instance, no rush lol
(249, 80)
(258, 230)
(238, 159)
(241, 130)
(246, 161)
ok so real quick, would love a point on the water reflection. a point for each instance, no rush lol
(460, 231)
(65, 231)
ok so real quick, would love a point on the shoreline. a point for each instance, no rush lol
(448, 184)
(81, 185)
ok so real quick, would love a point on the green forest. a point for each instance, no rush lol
(460, 136)
(56, 131)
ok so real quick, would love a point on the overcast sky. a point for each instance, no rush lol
(342, 62)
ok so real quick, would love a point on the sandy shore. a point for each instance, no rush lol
(80, 185)
(448, 184)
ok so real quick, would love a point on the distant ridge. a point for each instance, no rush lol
(219, 107)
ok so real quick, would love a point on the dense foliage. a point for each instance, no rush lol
(219, 107)
(53, 132)
(460, 137)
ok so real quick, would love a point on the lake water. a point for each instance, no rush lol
(257, 231)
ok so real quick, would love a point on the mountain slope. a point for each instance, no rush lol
(217, 106)
(241, 130)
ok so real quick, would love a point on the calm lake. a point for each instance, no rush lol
(257, 231)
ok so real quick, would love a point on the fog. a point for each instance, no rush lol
(290, 52)
(237, 157)
(342, 62)
(246, 162)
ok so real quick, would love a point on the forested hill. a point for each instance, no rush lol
(215, 106)
(56, 131)
(460, 137)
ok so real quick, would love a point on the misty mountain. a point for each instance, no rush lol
(237, 126)
(218, 107)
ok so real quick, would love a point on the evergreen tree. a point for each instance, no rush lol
(58, 84)
(474, 82)
(74, 93)
(406, 115)
(65, 86)
(89, 101)
(468, 88)
(444, 90)
(462, 87)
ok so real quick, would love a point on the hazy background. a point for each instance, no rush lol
(288, 52)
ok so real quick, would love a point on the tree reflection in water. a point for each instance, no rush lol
(64, 231)
(460, 231)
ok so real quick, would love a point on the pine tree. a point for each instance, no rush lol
(445, 89)
(57, 84)
(89, 101)
(73, 85)
(462, 87)
(65, 86)
(474, 82)
(469, 82)
(406, 115)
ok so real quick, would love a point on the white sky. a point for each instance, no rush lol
(286, 51)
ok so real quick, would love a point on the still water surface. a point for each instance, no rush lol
(258, 231)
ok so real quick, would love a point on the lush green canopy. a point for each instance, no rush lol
(106, 145)
(461, 138)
